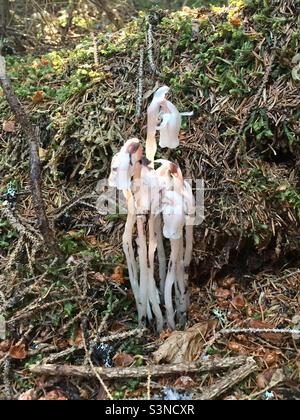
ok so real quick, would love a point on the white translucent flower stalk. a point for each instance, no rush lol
(153, 291)
(190, 216)
(180, 287)
(170, 281)
(143, 263)
(149, 204)
(125, 165)
(129, 252)
(162, 260)
(178, 209)
(173, 217)
(142, 208)
(184, 260)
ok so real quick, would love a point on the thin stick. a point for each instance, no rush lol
(139, 99)
(37, 309)
(95, 45)
(140, 372)
(292, 331)
(6, 377)
(88, 356)
(68, 25)
(229, 381)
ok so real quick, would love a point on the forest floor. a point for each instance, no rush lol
(74, 316)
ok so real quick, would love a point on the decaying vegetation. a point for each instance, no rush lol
(236, 68)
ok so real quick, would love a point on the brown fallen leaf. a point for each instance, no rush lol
(118, 327)
(44, 61)
(235, 21)
(183, 346)
(118, 275)
(185, 382)
(264, 378)
(123, 360)
(77, 341)
(62, 344)
(38, 97)
(261, 381)
(238, 348)
(18, 352)
(165, 334)
(92, 240)
(271, 358)
(239, 302)
(5, 346)
(9, 126)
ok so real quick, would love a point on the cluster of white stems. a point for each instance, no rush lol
(160, 205)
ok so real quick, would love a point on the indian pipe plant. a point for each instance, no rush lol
(160, 205)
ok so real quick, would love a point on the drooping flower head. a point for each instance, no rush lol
(124, 164)
(162, 109)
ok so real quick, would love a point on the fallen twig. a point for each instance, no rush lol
(277, 378)
(138, 332)
(113, 337)
(231, 379)
(6, 377)
(293, 331)
(33, 138)
(140, 372)
(93, 368)
(64, 353)
(38, 309)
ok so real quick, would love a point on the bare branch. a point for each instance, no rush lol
(32, 134)
(140, 372)
(233, 378)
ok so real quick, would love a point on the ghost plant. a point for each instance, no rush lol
(160, 205)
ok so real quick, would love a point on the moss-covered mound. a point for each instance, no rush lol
(237, 68)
